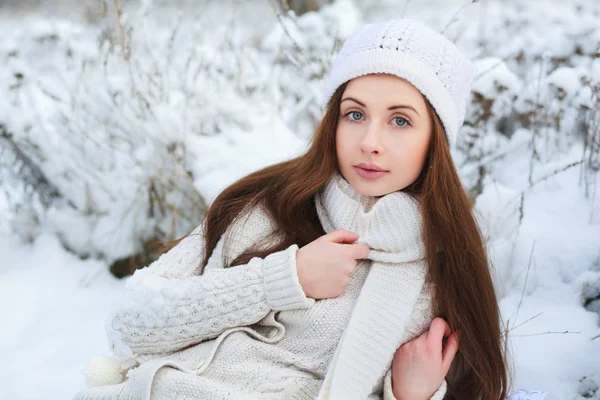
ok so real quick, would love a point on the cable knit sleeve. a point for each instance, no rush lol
(168, 306)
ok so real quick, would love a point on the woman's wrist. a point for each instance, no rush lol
(400, 394)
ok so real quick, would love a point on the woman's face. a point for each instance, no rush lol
(384, 124)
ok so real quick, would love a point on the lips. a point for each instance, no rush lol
(371, 167)
(367, 172)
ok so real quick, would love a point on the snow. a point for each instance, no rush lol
(494, 77)
(53, 306)
(218, 161)
(196, 107)
(566, 79)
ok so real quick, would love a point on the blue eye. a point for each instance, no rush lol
(354, 115)
(399, 121)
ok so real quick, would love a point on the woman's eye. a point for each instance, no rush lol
(355, 115)
(399, 121)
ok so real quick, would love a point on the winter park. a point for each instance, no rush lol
(122, 121)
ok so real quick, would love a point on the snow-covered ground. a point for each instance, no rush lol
(133, 144)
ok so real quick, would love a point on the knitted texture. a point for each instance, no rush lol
(415, 52)
(235, 345)
(392, 227)
(160, 314)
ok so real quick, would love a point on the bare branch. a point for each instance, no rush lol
(121, 32)
(556, 172)
(525, 284)
(454, 17)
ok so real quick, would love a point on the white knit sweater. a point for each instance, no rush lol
(249, 332)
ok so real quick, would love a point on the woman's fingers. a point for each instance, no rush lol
(341, 236)
(449, 352)
(437, 331)
(359, 250)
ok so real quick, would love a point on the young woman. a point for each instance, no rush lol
(306, 277)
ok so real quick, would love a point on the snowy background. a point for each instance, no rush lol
(118, 128)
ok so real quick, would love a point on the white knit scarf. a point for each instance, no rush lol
(392, 227)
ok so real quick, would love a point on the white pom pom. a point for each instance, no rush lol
(103, 370)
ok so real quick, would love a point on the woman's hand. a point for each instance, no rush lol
(420, 366)
(325, 265)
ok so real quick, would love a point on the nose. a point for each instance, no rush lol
(371, 142)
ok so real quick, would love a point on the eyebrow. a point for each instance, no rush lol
(389, 108)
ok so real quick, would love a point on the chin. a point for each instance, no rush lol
(377, 188)
(372, 190)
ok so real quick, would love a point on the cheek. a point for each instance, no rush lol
(410, 155)
(338, 143)
(343, 144)
(420, 150)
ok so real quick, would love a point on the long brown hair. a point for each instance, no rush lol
(465, 296)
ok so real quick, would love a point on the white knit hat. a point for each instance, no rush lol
(415, 52)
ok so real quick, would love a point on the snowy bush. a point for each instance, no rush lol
(119, 129)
